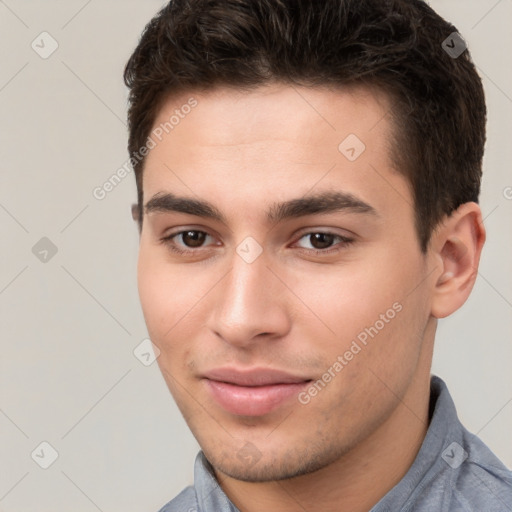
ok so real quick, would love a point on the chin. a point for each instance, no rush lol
(270, 467)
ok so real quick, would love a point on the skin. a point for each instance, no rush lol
(291, 309)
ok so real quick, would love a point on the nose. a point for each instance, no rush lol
(249, 304)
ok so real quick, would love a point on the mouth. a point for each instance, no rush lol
(255, 392)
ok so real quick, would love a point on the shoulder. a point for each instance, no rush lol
(454, 471)
(483, 482)
(184, 502)
(470, 478)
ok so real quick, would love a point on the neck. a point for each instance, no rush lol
(361, 477)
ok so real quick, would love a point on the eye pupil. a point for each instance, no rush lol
(321, 240)
(196, 237)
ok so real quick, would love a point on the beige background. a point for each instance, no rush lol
(68, 375)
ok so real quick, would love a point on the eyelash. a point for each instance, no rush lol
(169, 243)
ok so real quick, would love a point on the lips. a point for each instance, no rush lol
(255, 392)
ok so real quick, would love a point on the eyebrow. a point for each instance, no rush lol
(324, 202)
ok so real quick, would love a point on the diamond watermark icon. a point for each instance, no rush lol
(248, 454)
(44, 45)
(454, 455)
(249, 249)
(44, 455)
(44, 250)
(454, 45)
(146, 352)
(351, 147)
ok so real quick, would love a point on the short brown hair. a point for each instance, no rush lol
(439, 109)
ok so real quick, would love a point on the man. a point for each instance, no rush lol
(308, 176)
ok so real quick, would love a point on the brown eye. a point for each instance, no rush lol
(186, 242)
(321, 240)
(323, 243)
(193, 238)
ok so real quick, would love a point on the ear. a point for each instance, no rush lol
(457, 245)
(135, 215)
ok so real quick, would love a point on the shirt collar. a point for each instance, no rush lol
(444, 429)
(210, 496)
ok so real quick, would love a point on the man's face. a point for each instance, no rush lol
(286, 333)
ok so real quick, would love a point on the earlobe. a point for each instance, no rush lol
(459, 243)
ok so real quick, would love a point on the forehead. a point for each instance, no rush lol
(277, 140)
(227, 115)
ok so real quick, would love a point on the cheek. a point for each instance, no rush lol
(367, 310)
(346, 299)
(163, 295)
(154, 294)
(171, 298)
(162, 306)
(371, 359)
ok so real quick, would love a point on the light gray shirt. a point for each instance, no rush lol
(453, 471)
